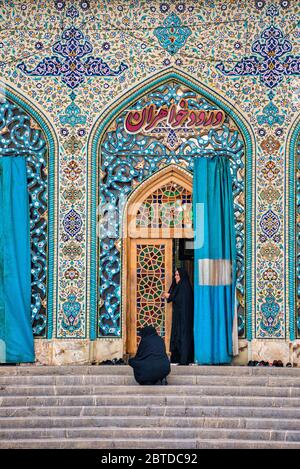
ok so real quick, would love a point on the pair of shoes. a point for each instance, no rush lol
(277, 363)
(114, 361)
(106, 362)
(120, 361)
(253, 363)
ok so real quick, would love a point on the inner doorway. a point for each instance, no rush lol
(183, 250)
(159, 219)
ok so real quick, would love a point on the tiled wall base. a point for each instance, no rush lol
(268, 350)
(76, 351)
(64, 352)
(242, 357)
(105, 349)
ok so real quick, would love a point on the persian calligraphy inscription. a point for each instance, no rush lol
(175, 116)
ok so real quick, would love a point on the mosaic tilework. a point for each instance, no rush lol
(21, 136)
(172, 35)
(298, 240)
(212, 40)
(272, 65)
(72, 47)
(129, 159)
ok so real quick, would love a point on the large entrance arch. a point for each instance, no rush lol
(113, 177)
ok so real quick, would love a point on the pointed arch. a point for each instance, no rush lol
(96, 136)
(34, 112)
(169, 175)
(291, 232)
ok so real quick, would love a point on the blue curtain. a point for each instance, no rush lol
(215, 261)
(16, 337)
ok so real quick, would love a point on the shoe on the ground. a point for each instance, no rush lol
(120, 361)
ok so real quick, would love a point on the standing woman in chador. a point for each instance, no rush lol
(182, 335)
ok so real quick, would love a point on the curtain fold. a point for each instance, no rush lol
(16, 337)
(215, 262)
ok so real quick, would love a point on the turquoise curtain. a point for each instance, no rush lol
(215, 261)
(16, 337)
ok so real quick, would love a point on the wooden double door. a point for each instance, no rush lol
(149, 275)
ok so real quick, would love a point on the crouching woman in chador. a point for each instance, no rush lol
(151, 364)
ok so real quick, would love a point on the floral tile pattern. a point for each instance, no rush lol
(101, 49)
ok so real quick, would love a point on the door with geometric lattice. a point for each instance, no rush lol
(150, 275)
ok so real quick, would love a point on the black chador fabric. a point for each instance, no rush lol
(182, 334)
(151, 362)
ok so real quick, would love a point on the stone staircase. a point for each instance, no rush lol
(103, 407)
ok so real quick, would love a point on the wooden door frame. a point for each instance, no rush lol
(169, 174)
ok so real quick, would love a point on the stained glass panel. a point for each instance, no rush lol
(151, 286)
(169, 206)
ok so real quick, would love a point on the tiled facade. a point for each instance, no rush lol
(75, 66)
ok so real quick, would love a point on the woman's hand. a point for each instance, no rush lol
(166, 295)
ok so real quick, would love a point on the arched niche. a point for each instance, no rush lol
(292, 232)
(25, 130)
(148, 249)
(236, 142)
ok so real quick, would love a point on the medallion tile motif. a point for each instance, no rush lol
(172, 36)
(72, 47)
(269, 63)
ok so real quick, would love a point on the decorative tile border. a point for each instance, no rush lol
(290, 232)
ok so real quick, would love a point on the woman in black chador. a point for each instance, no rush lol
(182, 334)
(151, 364)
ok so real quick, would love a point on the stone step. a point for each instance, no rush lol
(149, 400)
(136, 390)
(126, 370)
(118, 443)
(137, 433)
(103, 407)
(141, 422)
(148, 411)
(173, 379)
